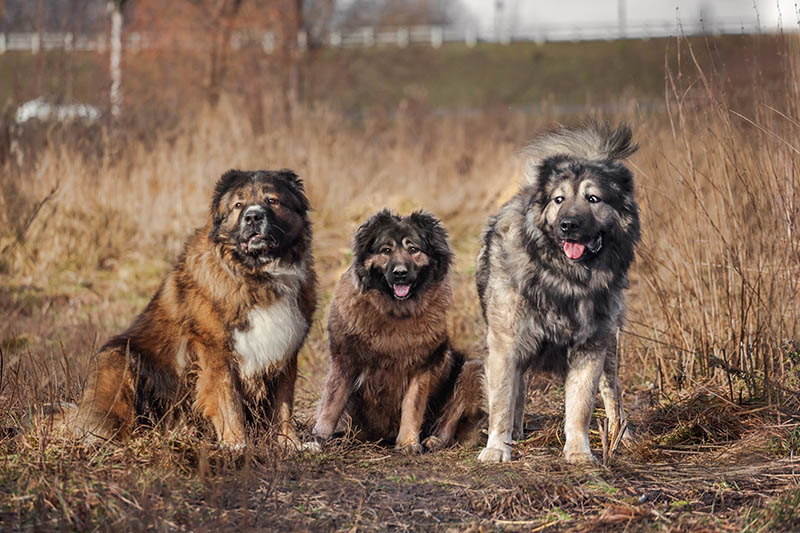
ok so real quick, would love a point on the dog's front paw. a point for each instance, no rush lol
(433, 443)
(576, 451)
(288, 442)
(233, 446)
(495, 455)
(579, 457)
(409, 447)
(312, 446)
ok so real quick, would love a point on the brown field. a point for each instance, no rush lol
(710, 354)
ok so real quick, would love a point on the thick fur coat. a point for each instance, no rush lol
(393, 370)
(222, 333)
(551, 274)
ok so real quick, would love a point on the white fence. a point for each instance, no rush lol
(434, 36)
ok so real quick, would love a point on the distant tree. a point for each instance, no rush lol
(221, 16)
(115, 7)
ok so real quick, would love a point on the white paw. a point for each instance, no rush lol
(311, 446)
(579, 456)
(495, 455)
(235, 446)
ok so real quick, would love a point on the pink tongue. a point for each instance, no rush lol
(401, 291)
(573, 249)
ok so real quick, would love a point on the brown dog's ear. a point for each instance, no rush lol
(296, 186)
(436, 240)
(365, 236)
(224, 184)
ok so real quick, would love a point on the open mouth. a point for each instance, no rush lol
(576, 250)
(401, 290)
(257, 242)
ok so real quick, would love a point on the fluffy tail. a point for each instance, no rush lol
(591, 140)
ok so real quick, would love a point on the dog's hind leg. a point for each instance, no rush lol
(464, 410)
(106, 410)
(520, 397)
(580, 389)
(284, 403)
(611, 392)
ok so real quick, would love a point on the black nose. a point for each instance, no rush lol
(400, 272)
(254, 215)
(568, 224)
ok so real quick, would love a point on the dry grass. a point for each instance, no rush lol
(710, 353)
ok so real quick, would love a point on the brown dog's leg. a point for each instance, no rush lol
(335, 394)
(106, 409)
(463, 412)
(218, 398)
(415, 402)
(284, 403)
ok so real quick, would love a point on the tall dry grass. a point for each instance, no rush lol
(719, 271)
(714, 291)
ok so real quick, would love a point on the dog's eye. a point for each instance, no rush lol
(413, 249)
(386, 250)
(592, 199)
(273, 201)
(558, 199)
(237, 205)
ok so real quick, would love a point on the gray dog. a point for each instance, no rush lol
(551, 273)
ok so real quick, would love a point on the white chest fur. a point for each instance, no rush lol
(274, 333)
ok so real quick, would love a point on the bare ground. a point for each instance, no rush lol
(699, 462)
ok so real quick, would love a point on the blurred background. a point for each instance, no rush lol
(117, 118)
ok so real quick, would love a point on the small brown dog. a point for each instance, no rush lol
(392, 368)
(225, 326)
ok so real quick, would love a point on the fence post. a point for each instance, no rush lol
(470, 37)
(302, 40)
(268, 42)
(402, 37)
(35, 43)
(2, 43)
(368, 35)
(437, 36)
(335, 38)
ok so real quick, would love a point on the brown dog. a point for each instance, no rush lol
(225, 326)
(392, 369)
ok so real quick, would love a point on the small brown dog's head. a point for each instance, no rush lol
(401, 256)
(259, 215)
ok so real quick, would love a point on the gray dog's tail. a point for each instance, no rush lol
(591, 140)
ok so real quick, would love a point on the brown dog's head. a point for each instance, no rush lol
(401, 256)
(259, 215)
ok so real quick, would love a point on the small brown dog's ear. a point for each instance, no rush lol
(365, 235)
(436, 240)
